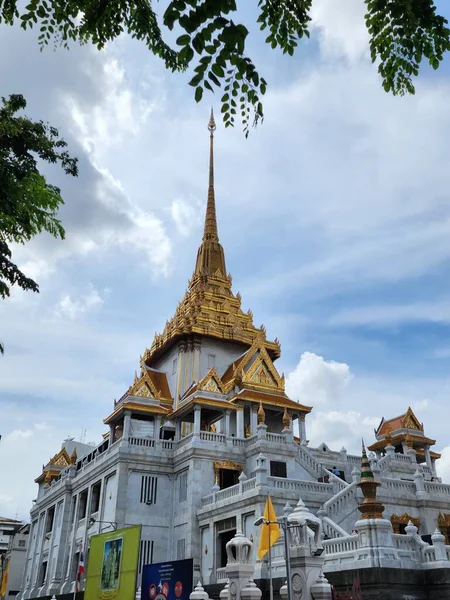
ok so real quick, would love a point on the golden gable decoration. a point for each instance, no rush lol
(211, 382)
(404, 519)
(62, 459)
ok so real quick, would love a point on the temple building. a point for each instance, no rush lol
(202, 435)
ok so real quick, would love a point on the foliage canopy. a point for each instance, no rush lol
(401, 34)
(28, 203)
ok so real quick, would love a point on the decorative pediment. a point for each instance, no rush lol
(62, 459)
(410, 421)
(261, 371)
(226, 464)
(211, 382)
(143, 392)
(144, 387)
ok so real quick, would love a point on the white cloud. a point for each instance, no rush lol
(186, 215)
(317, 382)
(341, 28)
(74, 308)
(385, 314)
(420, 405)
(443, 465)
(18, 434)
(341, 429)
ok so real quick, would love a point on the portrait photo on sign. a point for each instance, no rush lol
(112, 556)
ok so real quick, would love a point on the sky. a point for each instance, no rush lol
(334, 215)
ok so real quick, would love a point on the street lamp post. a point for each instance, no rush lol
(285, 525)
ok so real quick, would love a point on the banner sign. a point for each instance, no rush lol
(167, 580)
(112, 565)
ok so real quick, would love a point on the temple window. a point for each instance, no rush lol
(95, 495)
(226, 530)
(82, 505)
(174, 366)
(145, 553)
(43, 573)
(50, 520)
(182, 489)
(149, 486)
(181, 549)
(211, 360)
(278, 469)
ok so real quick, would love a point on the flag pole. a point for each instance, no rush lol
(270, 569)
(76, 580)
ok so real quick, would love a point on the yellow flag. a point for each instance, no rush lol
(4, 581)
(269, 533)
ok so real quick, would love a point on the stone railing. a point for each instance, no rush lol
(151, 443)
(220, 575)
(429, 554)
(437, 489)
(398, 486)
(239, 442)
(308, 462)
(147, 442)
(230, 492)
(340, 502)
(315, 487)
(278, 438)
(404, 542)
(332, 530)
(210, 436)
(185, 440)
(249, 484)
(341, 545)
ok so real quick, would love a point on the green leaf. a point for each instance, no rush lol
(183, 40)
(198, 93)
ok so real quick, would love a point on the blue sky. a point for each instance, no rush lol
(334, 216)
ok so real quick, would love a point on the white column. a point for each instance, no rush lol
(240, 422)
(157, 427)
(227, 423)
(302, 427)
(178, 430)
(253, 419)
(126, 425)
(428, 457)
(197, 419)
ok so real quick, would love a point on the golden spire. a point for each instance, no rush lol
(370, 508)
(210, 255)
(261, 414)
(286, 419)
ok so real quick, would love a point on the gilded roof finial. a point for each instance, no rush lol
(73, 457)
(286, 419)
(210, 256)
(261, 414)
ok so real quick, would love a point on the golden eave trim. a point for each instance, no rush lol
(136, 407)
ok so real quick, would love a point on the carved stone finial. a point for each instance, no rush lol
(261, 414)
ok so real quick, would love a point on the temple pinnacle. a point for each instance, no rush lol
(210, 257)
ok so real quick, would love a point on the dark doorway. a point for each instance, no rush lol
(224, 538)
(228, 477)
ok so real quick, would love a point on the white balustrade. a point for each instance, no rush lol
(210, 436)
(429, 554)
(278, 438)
(309, 462)
(249, 484)
(220, 575)
(437, 489)
(332, 529)
(404, 542)
(239, 442)
(341, 501)
(340, 545)
(147, 442)
(399, 486)
(302, 487)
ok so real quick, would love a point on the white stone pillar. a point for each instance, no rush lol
(253, 419)
(157, 427)
(438, 540)
(227, 423)
(126, 425)
(302, 427)
(428, 457)
(178, 431)
(197, 419)
(240, 422)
